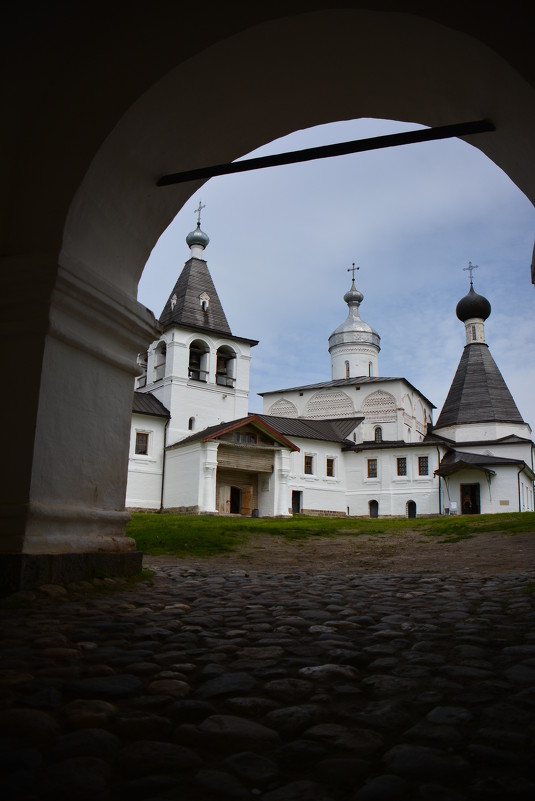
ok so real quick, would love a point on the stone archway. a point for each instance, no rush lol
(85, 148)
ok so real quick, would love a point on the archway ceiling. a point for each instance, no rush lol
(229, 87)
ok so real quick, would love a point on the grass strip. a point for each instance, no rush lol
(211, 535)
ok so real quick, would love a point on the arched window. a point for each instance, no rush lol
(378, 434)
(225, 367)
(347, 370)
(198, 361)
(160, 355)
(370, 369)
(191, 424)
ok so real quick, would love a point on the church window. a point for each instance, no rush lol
(370, 369)
(225, 367)
(474, 335)
(198, 361)
(423, 465)
(142, 443)
(372, 468)
(191, 424)
(347, 370)
(309, 465)
(329, 467)
(402, 466)
(378, 434)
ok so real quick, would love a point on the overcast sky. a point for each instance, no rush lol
(411, 217)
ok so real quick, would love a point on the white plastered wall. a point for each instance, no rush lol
(144, 482)
(321, 493)
(501, 495)
(391, 491)
(208, 403)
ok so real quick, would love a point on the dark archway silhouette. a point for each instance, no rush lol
(84, 149)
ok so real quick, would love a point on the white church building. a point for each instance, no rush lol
(357, 444)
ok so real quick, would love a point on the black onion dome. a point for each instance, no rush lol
(472, 305)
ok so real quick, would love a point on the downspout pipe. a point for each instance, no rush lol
(163, 461)
(439, 485)
(518, 481)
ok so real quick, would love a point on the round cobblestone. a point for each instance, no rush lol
(272, 686)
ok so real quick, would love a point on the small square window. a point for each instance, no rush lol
(309, 465)
(329, 469)
(372, 468)
(142, 443)
(245, 438)
(402, 466)
(423, 465)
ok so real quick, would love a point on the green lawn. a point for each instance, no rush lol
(209, 535)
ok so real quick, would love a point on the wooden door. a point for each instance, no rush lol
(247, 500)
(223, 499)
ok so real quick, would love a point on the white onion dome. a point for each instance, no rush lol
(197, 237)
(354, 330)
(473, 306)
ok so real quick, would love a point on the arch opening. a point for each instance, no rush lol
(199, 361)
(226, 366)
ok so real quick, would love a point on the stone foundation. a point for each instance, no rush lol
(27, 571)
(321, 513)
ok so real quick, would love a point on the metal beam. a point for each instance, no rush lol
(327, 151)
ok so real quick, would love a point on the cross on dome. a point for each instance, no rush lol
(471, 267)
(198, 210)
(352, 270)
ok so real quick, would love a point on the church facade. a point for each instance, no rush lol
(358, 444)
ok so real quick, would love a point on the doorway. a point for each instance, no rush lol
(411, 509)
(470, 499)
(374, 508)
(235, 500)
(297, 502)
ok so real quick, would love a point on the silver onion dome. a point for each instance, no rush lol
(354, 330)
(197, 237)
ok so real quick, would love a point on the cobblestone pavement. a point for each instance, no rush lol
(291, 687)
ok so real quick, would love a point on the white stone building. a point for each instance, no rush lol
(358, 444)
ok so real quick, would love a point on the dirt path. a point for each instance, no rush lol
(410, 552)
